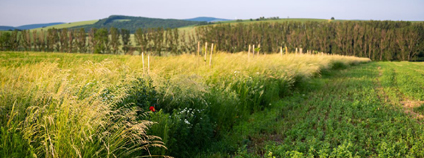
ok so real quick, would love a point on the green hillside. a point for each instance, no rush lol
(69, 25)
(133, 23)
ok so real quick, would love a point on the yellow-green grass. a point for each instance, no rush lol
(68, 25)
(54, 104)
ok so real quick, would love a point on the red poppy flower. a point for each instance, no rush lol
(152, 109)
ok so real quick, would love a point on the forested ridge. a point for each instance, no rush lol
(132, 23)
(377, 40)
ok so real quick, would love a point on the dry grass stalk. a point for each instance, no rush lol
(142, 58)
(287, 51)
(210, 61)
(253, 54)
(206, 51)
(281, 51)
(148, 63)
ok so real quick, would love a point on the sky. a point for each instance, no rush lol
(21, 12)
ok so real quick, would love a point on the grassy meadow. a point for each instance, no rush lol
(85, 105)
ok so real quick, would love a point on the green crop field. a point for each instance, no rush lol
(370, 110)
(68, 25)
(84, 105)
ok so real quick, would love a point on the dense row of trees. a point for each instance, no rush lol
(159, 40)
(378, 40)
(155, 41)
(64, 40)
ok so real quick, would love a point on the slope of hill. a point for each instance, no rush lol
(5, 28)
(33, 26)
(68, 25)
(132, 23)
(207, 19)
(30, 26)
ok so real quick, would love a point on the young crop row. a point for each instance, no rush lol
(404, 85)
(354, 113)
(97, 105)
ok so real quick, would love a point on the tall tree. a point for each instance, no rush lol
(14, 40)
(81, 40)
(70, 41)
(52, 39)
(63, 39)
(411, 43)
(5, 41)
(102, 41)
(35, 40)
(126, 42)
(401, 43)
(26, 40)
(114, 40)
(141, 40)
(92, 40)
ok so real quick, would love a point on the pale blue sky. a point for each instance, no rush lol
(20, 12)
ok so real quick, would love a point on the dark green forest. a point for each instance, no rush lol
(377, 40)
(132, 23)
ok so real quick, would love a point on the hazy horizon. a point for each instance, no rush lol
(23, 12)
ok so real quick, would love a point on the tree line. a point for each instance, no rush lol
(154, 41)
(67, 40)
(377, 40)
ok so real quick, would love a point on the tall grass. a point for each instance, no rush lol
(53, 110)
(65, 105)
(200, 103)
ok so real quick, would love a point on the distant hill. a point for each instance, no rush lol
(207, 19)
(33, 26)
(133, 23)
(5, 28)
(68, 25)
(28, 27)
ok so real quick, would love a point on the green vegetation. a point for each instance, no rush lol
(365, 111)
(82, 105)
(293, 105)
